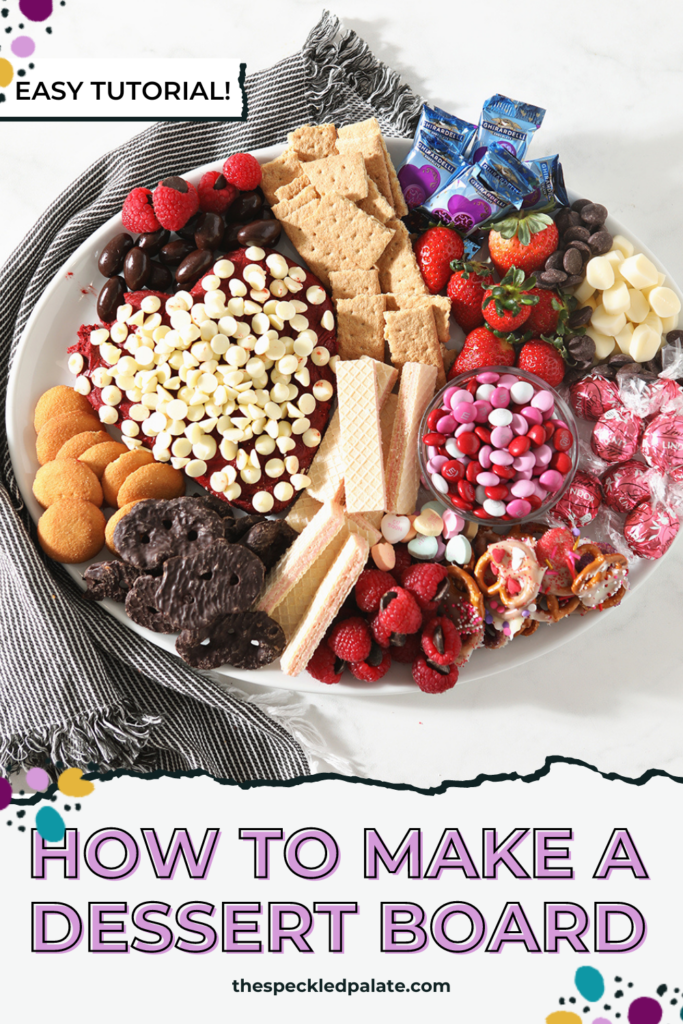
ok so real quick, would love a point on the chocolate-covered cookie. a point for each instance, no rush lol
(244, 640)
(109, 579)
(156, 530)
(217, 580)
(239, 527)
(269, 540)
(141, 606)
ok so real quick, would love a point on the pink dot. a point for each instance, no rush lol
(37, 779)
(23, 46)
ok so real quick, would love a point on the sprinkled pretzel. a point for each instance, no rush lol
(466, 609)
(604, 581)
(464, 583)
(517, 584)
(558, 607)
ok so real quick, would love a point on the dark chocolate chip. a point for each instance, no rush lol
(673, 337)
(555, 260)
(218, 580)
(136, 269)
(112, 256)
(260, 232)
(156, 530)
(339, 666)
(244, 640)
(619, 359)
(443, 670)
(398, 639)
(573, 280)
(110, 298)
(572, 261)
(594, 214)
(176, 183)
(578, 233)
(552, 277)
(194, 266)
(210, 231)
(219, 183)
(269, 540)
(438, 640)
(152, 241)
(375, 656)
(581, 348)
(386, 599)
(141, 606)
(580, 317)
(583, 248)
(442, 590)
(600, 242)
(109, 580)
(579, 204)
(565, 219)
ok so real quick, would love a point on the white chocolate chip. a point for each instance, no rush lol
(205, 449)
(291, 464)
(299, 481)
(323, 390)
(150, 304)
(283, 490)
(195, 468)
(320, 356)
(288, 364)
(312, 438)
(132, 442)
(100, 377)
(161, 454)
(108, 415)
(327, 320)
(307, 404)
(224, 269)
(250, 475)
(299, 323)
(111, 395)
(124, 311)
(255, 252)
(218, 482)
(297, 274)
(210, 283)
(644, 343)
(75, 363)
(181, 447)
(278, 289)
(639, 271)
(232, 492)
(274, 467)
(664, 301)
(228, 449)
(333, 363)
(82, 386)
(101, 335)
(315, 295)
(301, 425)
(285, 444)
(262, 501)
(129, 428)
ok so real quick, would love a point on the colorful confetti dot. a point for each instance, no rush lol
(37, 779)
(644, 1011)
(5, 793)
(36, 10)
(23, 46)
(590, 983)
(50, 825)
(563, 1017)
(601, 1020)
(6, 72)
(72, 783)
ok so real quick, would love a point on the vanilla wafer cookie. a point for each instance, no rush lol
(403, 472)
(298, 559)
(387, 416)
(326, 472)
(328, 599)
(302, 511)
(358, 523)
(385, 375)
(412, 338)
(361, 436)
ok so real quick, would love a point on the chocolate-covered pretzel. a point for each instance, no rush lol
(154, 531)
(141, 606)
(247, 640)
(109, 580)
(269, 540)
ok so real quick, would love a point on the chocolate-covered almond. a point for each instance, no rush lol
(112, 256)
(152, 241)
(245, 208)
(160, 278)
(210, 231)
(188, 230)
(194, 265)
(136, 267)
(110, 298)
(175, 252)
(260, 232)
(230, 237)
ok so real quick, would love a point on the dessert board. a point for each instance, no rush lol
(41, 361)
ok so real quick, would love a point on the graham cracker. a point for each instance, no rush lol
(376, 205)
(342, 174)
(346, 284)
(398, 269)
(302, 511)
(403, 471)
(366, 137)
(306, 550)
(326, 472)
(440, 306)
(313, 142)
(292, 188)
(412, 338)
(360, 327)
(399, 202)
(286, 207)
(333, 234)
(361, 437)
(386, 421)
(330, 596)
(449, 357)
(279, 172)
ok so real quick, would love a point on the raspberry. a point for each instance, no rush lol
(372, 583)
(243, 170)
(380, 633)
(409, 651)
(175, 201)
(215, 193)
(431, 680)
(403, 560)
(398, 611)
(350, 639)
(138, 213)
(370, 673)
(425, 581)
(324, 665)
(441, 641)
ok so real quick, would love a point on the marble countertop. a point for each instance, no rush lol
(610, 77)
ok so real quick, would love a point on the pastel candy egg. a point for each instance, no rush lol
(453, 524)
(522, 392)
(518, 508)
(522, 489)
(484, 392)
(395, 528)
(532, 415)
(423, 548)
(439, 484)
(494, 508)
(500, 418)
(459, 550)
(446, 425)
(500, 398)
(551, 479)
(429, 523)
(543, 400)
(488, 377)
(501, 436)
(501, 458)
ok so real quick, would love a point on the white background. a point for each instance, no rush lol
(610, 77)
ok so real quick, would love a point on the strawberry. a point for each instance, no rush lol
(545, 314)
(506, 306)
(435, 250)
(482, 348)
(523, 241)
(543, 359)
(466, 292)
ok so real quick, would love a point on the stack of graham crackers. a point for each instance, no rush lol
(339, 200)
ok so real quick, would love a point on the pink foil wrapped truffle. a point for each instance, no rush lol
(650, 529)
(624, 485)
(615, 435)
(579, 504)
(594, 395)
(662, 444)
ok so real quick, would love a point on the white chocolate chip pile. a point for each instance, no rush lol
(231, 382)
(632, 307)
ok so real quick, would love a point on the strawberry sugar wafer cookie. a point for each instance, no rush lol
(403, 474)
(328, 599)
(361, 436)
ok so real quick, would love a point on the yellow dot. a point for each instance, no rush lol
(563, 1017)
(6, 72)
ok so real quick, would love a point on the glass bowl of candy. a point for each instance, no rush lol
(498, 444)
